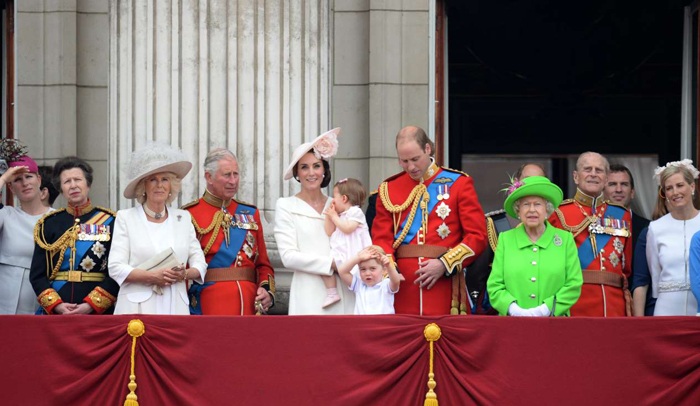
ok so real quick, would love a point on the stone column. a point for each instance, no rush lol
(251, 76)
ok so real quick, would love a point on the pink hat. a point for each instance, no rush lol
(26, 161)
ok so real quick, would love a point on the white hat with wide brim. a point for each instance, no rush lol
(302, 149)
(155, 158)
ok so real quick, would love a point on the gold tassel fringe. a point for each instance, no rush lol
(135, 329)
(432, 333)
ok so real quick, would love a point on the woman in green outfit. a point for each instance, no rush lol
(536, 270)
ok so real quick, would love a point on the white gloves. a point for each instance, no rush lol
(517, 311)
(539, 311)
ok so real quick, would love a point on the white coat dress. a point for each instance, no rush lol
(305, 249)
(136, 240)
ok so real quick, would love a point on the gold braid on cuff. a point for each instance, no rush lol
(101, 299)
(453, 258)
(48, 298)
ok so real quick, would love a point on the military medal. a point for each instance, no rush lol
(443, 192)
(443, 231)
(618, 245)
(443, 210)
(250, 239)
(248, 251)
(98, 249)
(87, 264)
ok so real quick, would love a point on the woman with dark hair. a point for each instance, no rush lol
(69, 266)
(16, 236)
(301, 238)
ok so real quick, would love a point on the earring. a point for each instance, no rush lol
(144, 194)
(170, 194)
(296, 178)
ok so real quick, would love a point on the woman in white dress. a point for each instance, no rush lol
(302, 241)
(143, 232)
(668, 239)
(17, 236)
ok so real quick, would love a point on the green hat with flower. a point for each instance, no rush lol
(532, 186)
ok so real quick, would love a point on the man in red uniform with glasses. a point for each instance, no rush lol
(429, 220)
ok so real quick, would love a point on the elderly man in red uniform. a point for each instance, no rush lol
(240, 279)
(603, 235)
(430, 221)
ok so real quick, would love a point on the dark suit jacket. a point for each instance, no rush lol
(638, 224)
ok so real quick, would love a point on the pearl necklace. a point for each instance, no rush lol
(151, 213)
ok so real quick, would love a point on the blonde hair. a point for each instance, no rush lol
(379, 260)
(670, 170)
(175, 186)
(353, 189)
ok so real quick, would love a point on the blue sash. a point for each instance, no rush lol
(585, 251)
(224, 257)
(445, 177)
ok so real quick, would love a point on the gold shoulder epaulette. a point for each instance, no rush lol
(566, 201)
(106, 210)
(611, 203)
(491, 233)
(454, 170)
(49, 214)
(374, 192)
(190, 204)
(246, 203)
(494, 213)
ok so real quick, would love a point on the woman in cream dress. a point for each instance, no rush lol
(142, 232)
(302, 241)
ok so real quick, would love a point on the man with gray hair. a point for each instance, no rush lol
(239, 279)
(602, 231)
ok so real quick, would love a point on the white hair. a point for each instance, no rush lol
(548, 205)
(211, 162)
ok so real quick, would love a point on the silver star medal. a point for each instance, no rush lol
(443, 231)
(443, 210)
(619, 246)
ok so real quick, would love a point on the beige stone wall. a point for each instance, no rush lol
(380, 82)
(62, 75)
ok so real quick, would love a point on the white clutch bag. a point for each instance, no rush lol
(163, 259)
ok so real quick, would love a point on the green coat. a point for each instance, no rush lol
(534, 273)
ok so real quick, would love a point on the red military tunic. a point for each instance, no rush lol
(235, 296)
(453, 230)
(608, 249)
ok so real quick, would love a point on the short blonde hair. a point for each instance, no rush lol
(175, 187)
